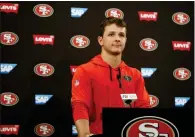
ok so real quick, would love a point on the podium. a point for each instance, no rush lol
(151, 122)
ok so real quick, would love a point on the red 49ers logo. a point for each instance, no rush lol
(113, 12)
(182, 74)
(79, 41)
(149, 126)
(44, 69)
(148, 44)
(8, 99)
(181, 18)
(154, 101)
(43, 10)
(44, 130)
(9, 38)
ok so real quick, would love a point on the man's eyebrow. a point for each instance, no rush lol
(111, 31)
(115, 32)
(122, 32)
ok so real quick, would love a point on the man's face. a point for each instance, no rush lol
(113, 40)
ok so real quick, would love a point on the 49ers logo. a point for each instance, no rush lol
(9, 38)
(43, 10)
(149, 126)
(148, 44)
(44, 129)
(8, 99)
(181, 18)
(79, 41)
(44, 69)
(181, 73)
(113, 12)
(154, 101)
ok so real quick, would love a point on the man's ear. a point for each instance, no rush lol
(100, 40)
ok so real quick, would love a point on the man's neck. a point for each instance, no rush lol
(113, 60)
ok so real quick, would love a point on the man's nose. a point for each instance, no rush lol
(117, 38)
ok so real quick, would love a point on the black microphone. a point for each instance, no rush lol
(129, 98)
(128, 101)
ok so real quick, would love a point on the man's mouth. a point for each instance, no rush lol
(117, 45)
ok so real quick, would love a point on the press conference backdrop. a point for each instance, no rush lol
(42, 43)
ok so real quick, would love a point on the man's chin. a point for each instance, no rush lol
(116, 53)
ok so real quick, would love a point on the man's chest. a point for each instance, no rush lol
(113, 82)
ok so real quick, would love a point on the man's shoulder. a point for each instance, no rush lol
(132, 69)
(86, 66)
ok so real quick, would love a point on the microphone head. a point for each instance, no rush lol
(128, 101)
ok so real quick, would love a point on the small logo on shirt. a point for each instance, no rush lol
(76, 83)
(128, 78)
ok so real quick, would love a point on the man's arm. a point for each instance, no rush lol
(82, 126)
(80, 115)
(143, 100)
(81, 101)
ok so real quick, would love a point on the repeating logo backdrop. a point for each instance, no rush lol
(42, 44)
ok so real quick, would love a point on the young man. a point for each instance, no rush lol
(100, 82)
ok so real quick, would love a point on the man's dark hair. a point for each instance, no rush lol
(112, 20)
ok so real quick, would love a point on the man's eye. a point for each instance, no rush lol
(111, 35)
(122, 35)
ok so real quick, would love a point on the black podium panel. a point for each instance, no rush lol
(118, 122)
